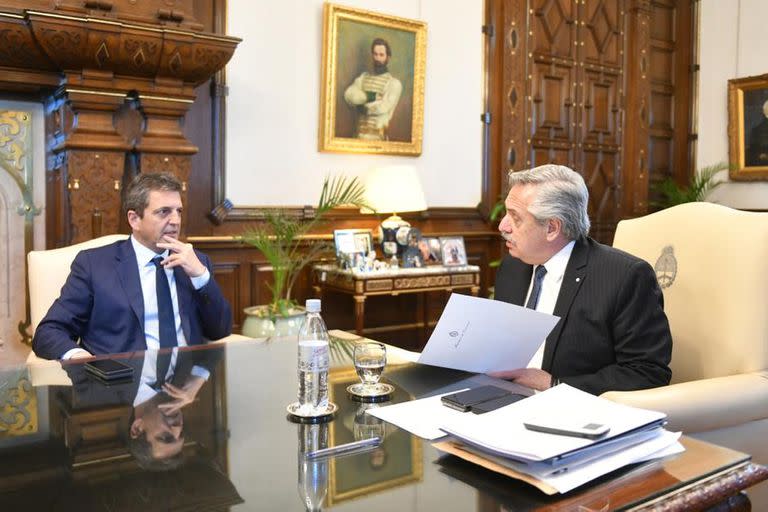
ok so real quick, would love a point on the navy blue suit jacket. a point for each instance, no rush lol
(101, 304)
(612, 333)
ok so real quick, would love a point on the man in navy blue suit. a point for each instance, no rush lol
(110, 301)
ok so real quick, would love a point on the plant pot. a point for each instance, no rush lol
(258, 323)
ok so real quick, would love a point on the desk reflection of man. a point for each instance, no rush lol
(164, 383)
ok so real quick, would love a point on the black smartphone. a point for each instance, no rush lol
(109, 369)
(464, 400)
(496, 403)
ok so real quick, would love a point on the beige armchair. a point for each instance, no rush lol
(712, 264)
(48, 270)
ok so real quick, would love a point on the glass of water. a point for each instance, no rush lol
(370, 358)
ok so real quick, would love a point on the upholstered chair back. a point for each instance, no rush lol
(48, 270)
(712, 264)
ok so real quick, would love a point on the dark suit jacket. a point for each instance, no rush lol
(102, 305)
(613, 333)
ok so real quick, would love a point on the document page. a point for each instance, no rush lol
(482, 335)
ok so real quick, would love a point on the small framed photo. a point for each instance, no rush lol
(348, 241)
(412, 253)
(452, 250)
(431, 254)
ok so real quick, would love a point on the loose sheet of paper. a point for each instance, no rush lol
(483, 335)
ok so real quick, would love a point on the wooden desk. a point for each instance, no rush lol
(362, 285)
(262, 463)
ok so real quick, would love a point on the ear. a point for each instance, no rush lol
(137, 428)
(554, 228)
(133, 219)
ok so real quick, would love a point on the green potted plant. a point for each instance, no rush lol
(279, 238)
(700, 184)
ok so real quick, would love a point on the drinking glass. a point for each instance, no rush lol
(370, 357)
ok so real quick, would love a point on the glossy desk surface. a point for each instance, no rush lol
(63, 445)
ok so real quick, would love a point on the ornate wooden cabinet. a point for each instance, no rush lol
(117, 78)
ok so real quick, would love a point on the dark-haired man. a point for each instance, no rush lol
(148, 291)
(375, 94)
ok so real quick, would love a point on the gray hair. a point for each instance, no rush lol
(561, 194)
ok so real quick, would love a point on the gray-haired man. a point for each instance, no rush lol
(613, 333)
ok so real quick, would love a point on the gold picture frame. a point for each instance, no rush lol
(365, 109)
(748, 127)
(397, 461)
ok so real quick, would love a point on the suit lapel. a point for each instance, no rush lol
(575, 273)
(183, 294)
(128, 273)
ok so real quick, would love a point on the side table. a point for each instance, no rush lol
(362, 285)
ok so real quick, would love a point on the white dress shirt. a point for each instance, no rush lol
(550, 290)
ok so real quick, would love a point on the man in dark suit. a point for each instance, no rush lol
(149, 291)
(613, 333)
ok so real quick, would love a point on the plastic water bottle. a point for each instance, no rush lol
(313, 362)
(313, 474)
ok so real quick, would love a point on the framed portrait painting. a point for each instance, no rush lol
(748, 127)
(372, 98)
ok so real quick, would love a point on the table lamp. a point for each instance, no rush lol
(395, 189)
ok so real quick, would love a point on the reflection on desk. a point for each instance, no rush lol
(242, 453)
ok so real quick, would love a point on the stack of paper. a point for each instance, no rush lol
(563, 462)
(554, 463)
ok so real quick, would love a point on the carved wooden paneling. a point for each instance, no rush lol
(670, 81)
(594, 71)
(94, 183)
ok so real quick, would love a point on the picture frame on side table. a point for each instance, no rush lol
(748, 128)
(430, 250)
(453, 251)
(372, 97)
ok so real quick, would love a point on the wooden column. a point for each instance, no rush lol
(89, 160)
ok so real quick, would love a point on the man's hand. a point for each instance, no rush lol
(181, 255)
(529, 377)
(184, 395)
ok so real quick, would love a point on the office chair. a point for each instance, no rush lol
(712, 265)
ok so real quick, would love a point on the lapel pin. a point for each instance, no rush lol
(578, 279)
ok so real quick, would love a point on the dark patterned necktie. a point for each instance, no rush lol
(538, 278)
(166, 321)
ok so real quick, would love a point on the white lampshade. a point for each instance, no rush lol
(395, 189)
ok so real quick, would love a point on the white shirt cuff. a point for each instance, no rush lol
(202, 280)
(199, 371)
(69, 353)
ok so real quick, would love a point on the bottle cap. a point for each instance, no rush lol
(312, 305)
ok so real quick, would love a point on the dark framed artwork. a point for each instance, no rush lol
(397, 461)
(748, 127)
(372, 98)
